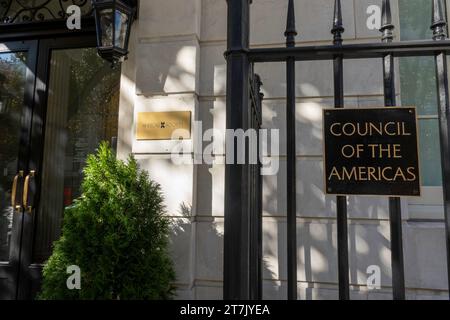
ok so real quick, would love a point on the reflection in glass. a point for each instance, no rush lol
(418, 84)
(418, 87)
(12, 83)
(82, 111)
(414, 24)
(106, 18)
(430, 153)
(121, 29)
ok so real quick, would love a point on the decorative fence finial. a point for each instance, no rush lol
(438, 24)
(387, 27)
(338, 27)
(291, 31)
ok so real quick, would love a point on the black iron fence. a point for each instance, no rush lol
(243, 207)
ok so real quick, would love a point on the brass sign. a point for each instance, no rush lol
(162, 125)
(371, 152)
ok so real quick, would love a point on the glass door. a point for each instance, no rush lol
(17, 70)
(79, 102)
(58, 101)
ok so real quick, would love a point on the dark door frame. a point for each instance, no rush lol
(10, 270)
(45, 29)
(39, 39)
(31, 273)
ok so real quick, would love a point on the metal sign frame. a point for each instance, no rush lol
(416, 153)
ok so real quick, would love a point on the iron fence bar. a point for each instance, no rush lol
(341, 201)
(291, 158)
(398, 273)
(350, 51)
(251, 197)
(439, 35)
(255, 190)
(395, 213)
(260, 191)
(237, 280)
(253, 252)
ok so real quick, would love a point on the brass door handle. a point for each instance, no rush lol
(14, 205)
(26, 187)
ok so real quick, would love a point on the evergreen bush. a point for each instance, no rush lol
(117, 234)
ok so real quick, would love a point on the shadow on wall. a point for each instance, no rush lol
(197, 238)
(171, 69)
(317, 244)
(316, 212)
(206, 236)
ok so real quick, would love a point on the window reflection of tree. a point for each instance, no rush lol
(93, 110)
(12, 82)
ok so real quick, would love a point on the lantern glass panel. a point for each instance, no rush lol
(107, 27)
(121, 26)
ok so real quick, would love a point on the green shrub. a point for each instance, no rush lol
(116, 232)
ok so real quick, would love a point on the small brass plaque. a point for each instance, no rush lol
(162, 125)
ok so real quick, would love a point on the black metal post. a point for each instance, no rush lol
(395, 214)
(259, 197)
(291, 158)
(438, 26)
(255, 193)
(341, 202)
(237, 283)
